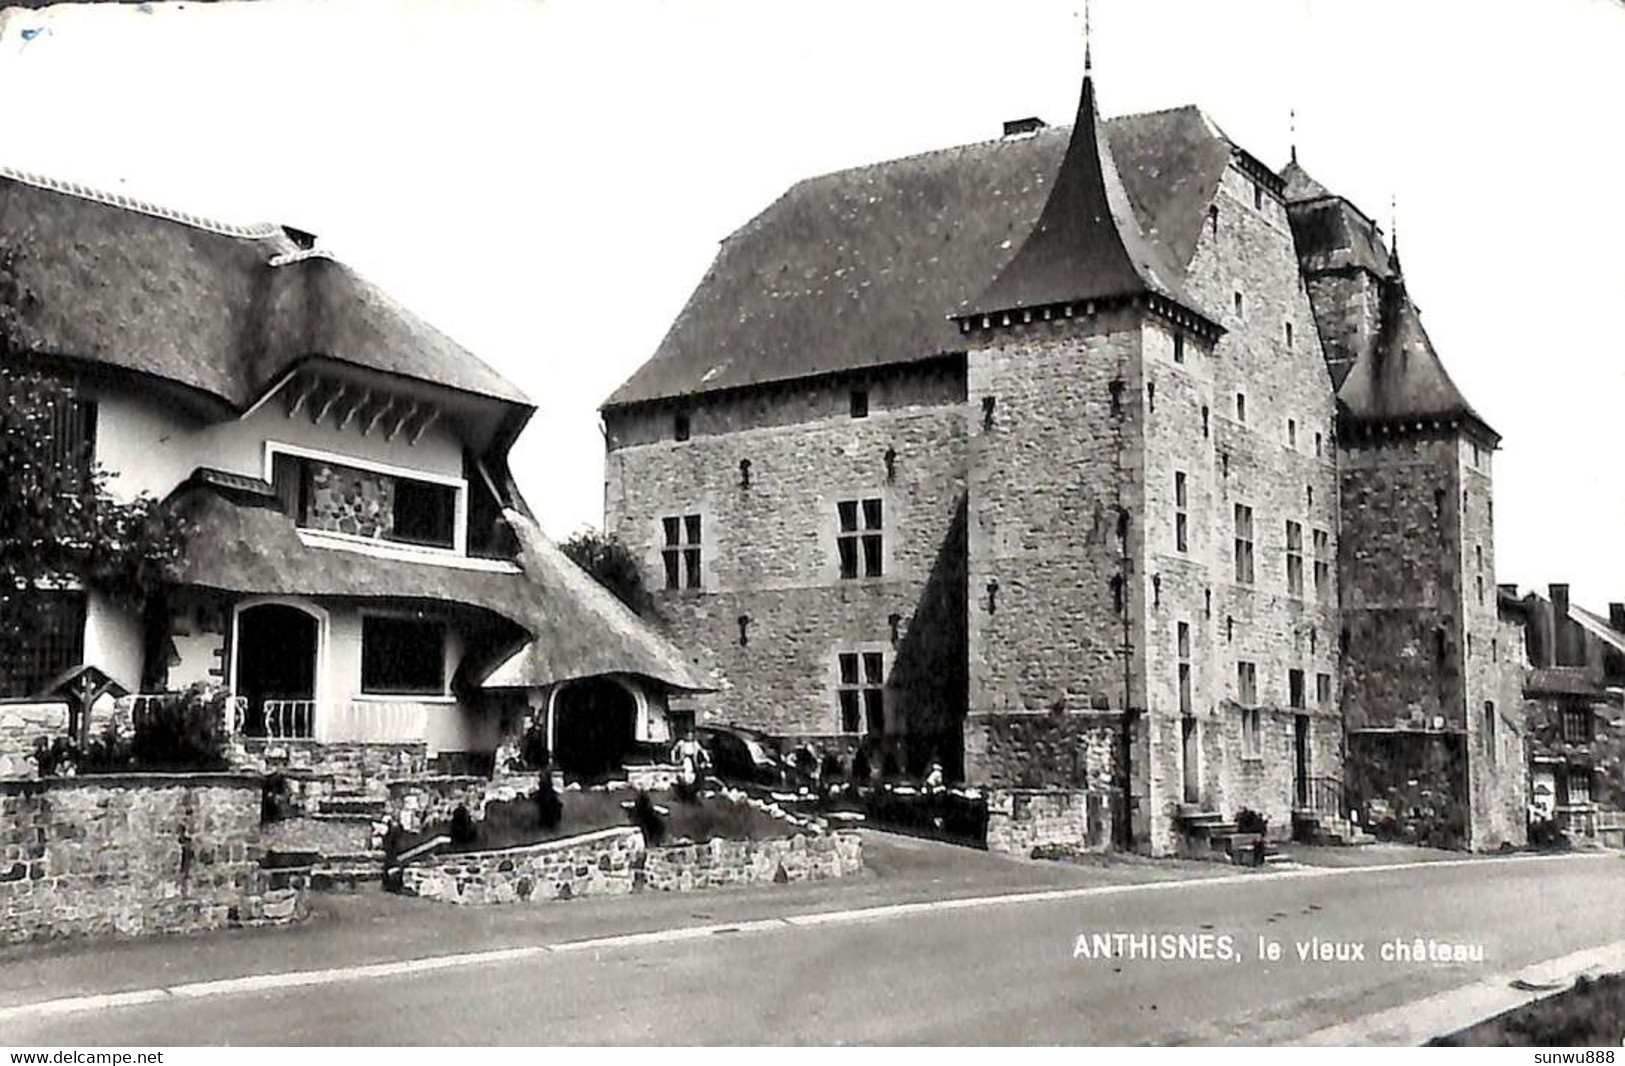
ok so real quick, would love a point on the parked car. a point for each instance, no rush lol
(741, 756)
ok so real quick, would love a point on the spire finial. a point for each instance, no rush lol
(1292, 132)
(1393, 222)
(1088, 60)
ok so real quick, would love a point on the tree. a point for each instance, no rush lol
(58, 522)
(612, 565)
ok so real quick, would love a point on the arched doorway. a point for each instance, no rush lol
(594, 728)
(276, 669)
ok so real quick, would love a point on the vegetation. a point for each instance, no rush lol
(58, 522)
(1591, 1014)
(549, 808)
(1250, 821)
(612, 565)
(181, 733)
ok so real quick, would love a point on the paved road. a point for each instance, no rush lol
(987, 972)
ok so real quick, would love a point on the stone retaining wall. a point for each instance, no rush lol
(20, 725)
(133, 854)
(352, 766)
(1019, 820)
(616, 862)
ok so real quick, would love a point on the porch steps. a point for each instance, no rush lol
(1211, 836)
(1327, 829)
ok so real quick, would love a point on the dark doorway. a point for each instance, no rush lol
(276, 661)
(1300, 762)
(594, 725)
(1193, 785)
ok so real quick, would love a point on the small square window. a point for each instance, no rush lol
(681, 551)
(860, 403)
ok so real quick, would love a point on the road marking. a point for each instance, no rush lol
(1412, 1024)
(257, 983)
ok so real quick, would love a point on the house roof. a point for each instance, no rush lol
(1562, 681)
(221, 309)
(1400, 377)
(1598, 627)
(1087, 243)
(243, 544)
(860, 268)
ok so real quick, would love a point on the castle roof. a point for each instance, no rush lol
(1400, 377)
(221, 309)
(1087, 243)
(860, 268)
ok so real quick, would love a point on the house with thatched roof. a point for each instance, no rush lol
(361, 573)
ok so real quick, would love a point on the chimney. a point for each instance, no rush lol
(1616, 616)
(301, 239)
(1018, 127)
(1562, 636)
(1508, 589)
(1559, 595)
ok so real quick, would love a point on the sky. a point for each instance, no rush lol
(547, 180)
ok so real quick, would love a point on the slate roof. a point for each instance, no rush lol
(244, 544)
(1598, 627)
(1400, 378)
(1562, 681)
(221, 309)
(860, 268)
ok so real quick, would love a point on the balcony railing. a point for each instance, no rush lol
(280, 719)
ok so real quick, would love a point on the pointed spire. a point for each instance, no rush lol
(1088, 59)
(1393, 235)
(1292, 132)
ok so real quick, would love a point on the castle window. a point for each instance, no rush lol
(1151, 397)
(1179, 347)
(860, 403)
(1294, 680)
(1577, 724)
(1479, 581)
(1213, 218)
(1207, 603)
(1323, 691)
(1478, 552)
(1289, 334)
(860, 537)
(1579, 786)
(861, 693)
(680, 426)
(1495, 651)
(1318, 447)
(1252, 734)
(1309, 496)
(1229, 628)
(1241, 407)
(1244, 544)
(1238, 304)
(1489, 730)
(1294, 559)
(1180, 516)
(1291, 433)
(1184, 668)
(1323, 564)
(1246, 683)
(681, 552)
(1438, 503)
(1258, 197)
(1204, 421)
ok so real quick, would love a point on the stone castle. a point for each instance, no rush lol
(1103, 460)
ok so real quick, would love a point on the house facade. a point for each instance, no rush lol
(361, 573)
(1098, 459)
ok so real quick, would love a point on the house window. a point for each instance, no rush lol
(1244, 544)
(1577, 724)
(681, 552)
(1323, 564)
(1294, 559)
(1252, 740)
(1294, 680)
(1241, 407)
(50, 639)
(680, 426)
(1246, 683)
(860, 537)
(403, 656)
(1579, 786)
(1323, 691)
(1184, 667)
(860, 403)
(1179, 347)
(70, 439)
(1181, 543)
(862, 693)
(425, 513)
(1489, 730)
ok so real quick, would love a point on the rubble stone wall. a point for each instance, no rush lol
(20, 725)
(1020, 820)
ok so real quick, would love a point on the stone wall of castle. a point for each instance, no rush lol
(773, 612)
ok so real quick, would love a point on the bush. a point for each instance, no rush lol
(1250, 821)
(646, 818)
(463, 831)
(831, 769)
(533, 748)
(56, 756)
(861, 771)
(890, 769)
(549, 808)
(183, 732)
(1546, 833)
(274, 802)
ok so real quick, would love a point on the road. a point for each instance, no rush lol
(987, 969)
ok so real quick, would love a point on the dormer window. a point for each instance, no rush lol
(365, 502)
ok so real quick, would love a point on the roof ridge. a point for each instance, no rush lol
(255, 231)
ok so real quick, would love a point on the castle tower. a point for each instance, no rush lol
(1433, 743)
(1057, 584)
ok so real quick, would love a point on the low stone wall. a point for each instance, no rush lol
(352, 767)
(1019, 820)
(134, 854)
(416, 802)
(651, 777)
(615, 862)
(20, 725)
